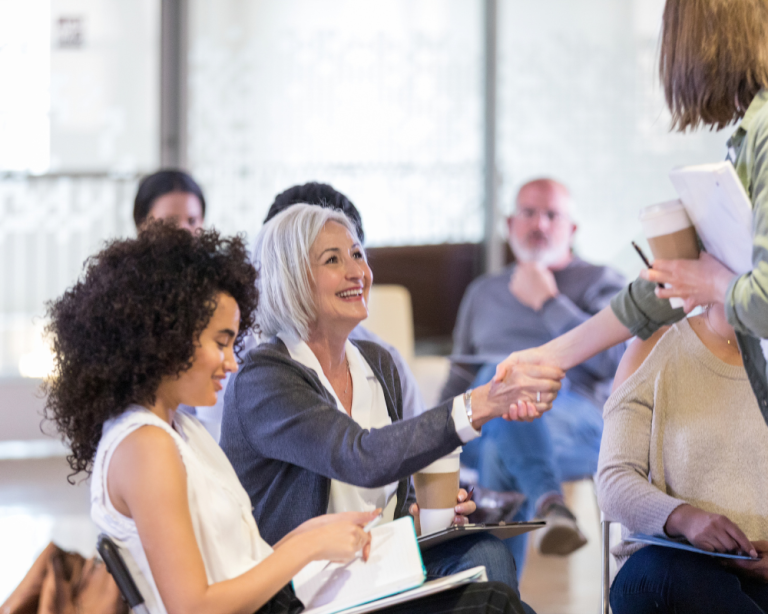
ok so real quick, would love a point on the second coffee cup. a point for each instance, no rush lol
(437, 490)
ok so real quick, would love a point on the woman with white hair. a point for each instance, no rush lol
(312, 422)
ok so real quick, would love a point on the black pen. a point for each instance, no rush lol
(645, 260)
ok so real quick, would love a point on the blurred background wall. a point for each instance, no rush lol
(428, 114)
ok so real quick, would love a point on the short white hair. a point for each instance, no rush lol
(281, 254)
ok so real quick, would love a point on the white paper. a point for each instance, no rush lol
(476, 574)
(394, 565)
(721, 211)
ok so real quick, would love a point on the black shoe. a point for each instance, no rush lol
(494, 507)
(562, 535)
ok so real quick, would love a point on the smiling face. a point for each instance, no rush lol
(213, 359)
(342, 279)
(182, 208)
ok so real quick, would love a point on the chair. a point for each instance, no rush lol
(110, 553)
(605, 554)
(605, 560)
(390, 316)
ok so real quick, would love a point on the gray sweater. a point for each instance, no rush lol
(286, 438)
(684, 428)
(493, 323)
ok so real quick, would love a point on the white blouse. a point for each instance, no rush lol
(222, 517)
(369, 410)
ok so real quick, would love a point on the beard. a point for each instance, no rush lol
(545, 255)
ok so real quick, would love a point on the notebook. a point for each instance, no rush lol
(657, 540)
(476, 574)
(394, 566)
(720, 210)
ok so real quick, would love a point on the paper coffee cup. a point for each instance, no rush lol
(437, 488)
(670, 234)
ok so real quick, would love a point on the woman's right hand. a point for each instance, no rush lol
(527, 388)
(339, 540)
(710, 532)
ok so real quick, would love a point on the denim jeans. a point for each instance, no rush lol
(470, 551)
(669, 581)
(535, 457)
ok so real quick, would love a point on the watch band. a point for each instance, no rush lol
(468, 406)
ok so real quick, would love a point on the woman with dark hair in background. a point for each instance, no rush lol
(153, 323)
(170, 195)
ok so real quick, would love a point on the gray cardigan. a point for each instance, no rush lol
(286, 438)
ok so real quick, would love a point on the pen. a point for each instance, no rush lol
(470, 493)
(645, 260)
(367, 528)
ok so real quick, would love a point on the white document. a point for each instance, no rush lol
(394, 566)
(476, 574)
(720, 210)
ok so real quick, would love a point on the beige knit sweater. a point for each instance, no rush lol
(684, 428)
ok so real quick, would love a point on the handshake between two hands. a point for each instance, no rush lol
(525, 385)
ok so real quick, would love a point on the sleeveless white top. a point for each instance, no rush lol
(222, 518)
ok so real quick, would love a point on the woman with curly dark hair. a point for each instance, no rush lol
(155, 322)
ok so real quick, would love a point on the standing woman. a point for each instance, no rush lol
(155, 322)
(714, 68)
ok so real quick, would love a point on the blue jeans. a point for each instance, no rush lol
(466, 552)
(669, 581)
(535, 457)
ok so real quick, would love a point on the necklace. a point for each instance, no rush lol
(724, 338)
(348, 377)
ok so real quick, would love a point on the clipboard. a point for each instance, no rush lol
(657, 540)
(502, 531)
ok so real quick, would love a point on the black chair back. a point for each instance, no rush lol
(111, 556)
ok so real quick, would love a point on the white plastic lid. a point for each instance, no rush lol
(664, 218)
(448, 464)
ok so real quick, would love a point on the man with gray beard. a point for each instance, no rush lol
(546, 292)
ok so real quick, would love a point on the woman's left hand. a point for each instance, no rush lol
(464, 508)
(697, 282)
(756, 570)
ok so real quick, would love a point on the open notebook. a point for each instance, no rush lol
(394, 570)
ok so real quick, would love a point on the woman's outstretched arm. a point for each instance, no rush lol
(147, 481)
(600, 332)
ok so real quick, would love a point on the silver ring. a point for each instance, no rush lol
(538, 396)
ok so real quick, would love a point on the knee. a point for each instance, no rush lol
(499, 562)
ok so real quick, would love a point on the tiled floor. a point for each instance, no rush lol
(38, 505)
(568, 585)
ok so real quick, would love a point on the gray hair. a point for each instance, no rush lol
(286, 301)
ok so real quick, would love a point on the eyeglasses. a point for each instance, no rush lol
(530, 214)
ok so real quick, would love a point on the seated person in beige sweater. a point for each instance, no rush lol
(685, 454)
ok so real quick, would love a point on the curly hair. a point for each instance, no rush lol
(134, 318)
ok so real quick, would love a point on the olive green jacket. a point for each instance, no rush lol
(746, 302)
